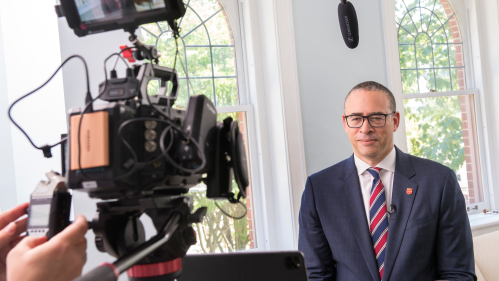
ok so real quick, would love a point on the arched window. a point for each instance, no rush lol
(430, 46)
(439, 109)
(207, 66)
(206, 50)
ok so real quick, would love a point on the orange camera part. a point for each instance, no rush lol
(94, 140)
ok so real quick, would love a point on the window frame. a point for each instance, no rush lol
(232, 12)
(257, 205)
(272, 83)
(395, 83)
(269, 93)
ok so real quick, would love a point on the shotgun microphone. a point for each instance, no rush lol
(348, 24)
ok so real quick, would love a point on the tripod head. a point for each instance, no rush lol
(120, 233)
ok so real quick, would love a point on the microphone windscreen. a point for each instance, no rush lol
(348, 24)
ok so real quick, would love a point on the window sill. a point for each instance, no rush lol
(482, 221)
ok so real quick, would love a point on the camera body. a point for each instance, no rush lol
(139, 145)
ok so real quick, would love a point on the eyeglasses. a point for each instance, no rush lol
(375, 120)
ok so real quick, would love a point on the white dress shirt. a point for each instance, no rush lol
(387, 166)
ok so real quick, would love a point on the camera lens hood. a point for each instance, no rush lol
(239, 162)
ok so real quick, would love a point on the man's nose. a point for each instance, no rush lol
(366, 127)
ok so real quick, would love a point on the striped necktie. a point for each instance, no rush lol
(378, 218)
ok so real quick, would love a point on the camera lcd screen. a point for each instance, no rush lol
(39, 215)
(92, 11)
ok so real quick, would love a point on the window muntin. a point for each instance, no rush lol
(207, 51)
(430, 46)
(440, 126)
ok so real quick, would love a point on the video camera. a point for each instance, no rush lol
(138, 152)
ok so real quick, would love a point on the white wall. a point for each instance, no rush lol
(327, 70)
(31, 54)
(8, 187)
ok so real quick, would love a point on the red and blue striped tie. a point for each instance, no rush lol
(379, 219)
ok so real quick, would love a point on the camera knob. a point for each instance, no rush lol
(150, 146)
(99, 243)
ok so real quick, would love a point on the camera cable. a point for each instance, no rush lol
(176, 165)
(230, 216)
(46, 148)
(88, 108)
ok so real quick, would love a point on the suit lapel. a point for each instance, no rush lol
(353, 206)
(403, 206)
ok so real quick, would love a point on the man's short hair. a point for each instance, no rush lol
(374, 86)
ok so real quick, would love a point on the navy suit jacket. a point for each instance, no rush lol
(429, 236)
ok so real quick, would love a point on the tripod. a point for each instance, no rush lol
(120, 233)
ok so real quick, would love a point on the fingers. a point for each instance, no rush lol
(12, 231)
(7, 234)
(16, 241)
(23, 247)
(29, 243)
(82, 249)
(21, 226)
(74, 233)
(12, 214)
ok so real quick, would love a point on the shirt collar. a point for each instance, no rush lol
(388, 163)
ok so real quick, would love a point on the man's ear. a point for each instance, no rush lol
(344, 122)
(396, 121)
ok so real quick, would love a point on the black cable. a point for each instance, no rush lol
(168, 100)
(134, 155)
(173, 163)
(26, 95)
(236, 218)
(87, 106)
(168, 119)
(175, 37)
(122, 58)
(136, 163)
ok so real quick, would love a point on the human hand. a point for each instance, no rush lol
(60, 259)
(10, 233)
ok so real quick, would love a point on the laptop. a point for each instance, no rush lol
(244, 266)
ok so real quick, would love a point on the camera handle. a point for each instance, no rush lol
(148, 72)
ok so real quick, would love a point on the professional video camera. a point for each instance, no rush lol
(138, 152)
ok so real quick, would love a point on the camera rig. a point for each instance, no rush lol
(142, 155)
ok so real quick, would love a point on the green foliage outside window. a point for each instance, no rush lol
(207, 54)
(219, 233)
(427, 52)
(434, 130)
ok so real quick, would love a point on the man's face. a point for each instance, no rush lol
(369, 143)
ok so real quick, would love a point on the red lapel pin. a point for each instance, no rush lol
(409, 191)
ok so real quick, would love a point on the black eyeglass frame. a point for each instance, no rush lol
(367, 117)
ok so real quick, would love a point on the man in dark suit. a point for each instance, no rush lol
(383, 214)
